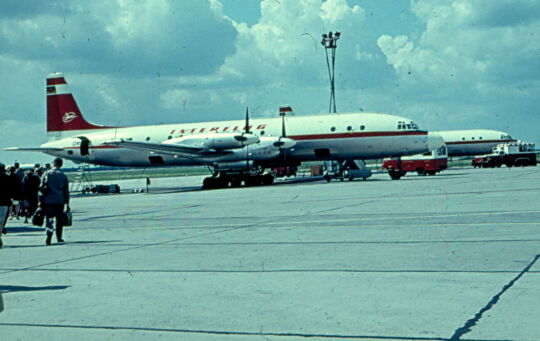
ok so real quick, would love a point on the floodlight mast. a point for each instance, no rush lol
(329, 41)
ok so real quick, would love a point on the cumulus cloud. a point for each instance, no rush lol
(284, 46)
(475, 62)
(189, 37)
(469, 40)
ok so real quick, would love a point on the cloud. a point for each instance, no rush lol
(190, 37)
(469, 41)
(284, 46)
(474, 63)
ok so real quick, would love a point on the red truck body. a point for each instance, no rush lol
(427, 163)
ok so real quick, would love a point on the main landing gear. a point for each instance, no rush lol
(225, 180)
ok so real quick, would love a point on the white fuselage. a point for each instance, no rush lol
(472, 142)
(318, 137)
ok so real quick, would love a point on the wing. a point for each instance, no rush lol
(172, 149)
(34, 149)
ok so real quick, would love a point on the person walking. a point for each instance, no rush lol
(55, 194)
(20, 175)
(6, 194)
(15, 192)
(30, 187)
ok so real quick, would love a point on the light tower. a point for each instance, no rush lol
(329, 41)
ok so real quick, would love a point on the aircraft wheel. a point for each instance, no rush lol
(252, 181)
(395, 175)
(208, 183)
(267, 179)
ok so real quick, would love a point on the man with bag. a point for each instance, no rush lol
(54, 190)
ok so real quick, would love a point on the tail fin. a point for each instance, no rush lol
(63, 113)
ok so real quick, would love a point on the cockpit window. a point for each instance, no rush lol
(407, 126)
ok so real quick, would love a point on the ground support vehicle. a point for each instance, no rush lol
(283, 171)
(517, 154)
(428, 163)
(348, 169)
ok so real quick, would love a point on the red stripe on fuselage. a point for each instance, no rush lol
(352, 135)
(480, 141)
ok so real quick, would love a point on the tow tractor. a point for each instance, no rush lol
(519, 154)
(348, 169)
(428, 163)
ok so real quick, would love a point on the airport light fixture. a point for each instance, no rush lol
(329, 41)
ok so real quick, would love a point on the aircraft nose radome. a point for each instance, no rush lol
(434, 141)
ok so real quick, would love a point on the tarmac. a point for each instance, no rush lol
(446, 257)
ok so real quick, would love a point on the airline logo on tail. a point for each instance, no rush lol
(69, 116)
(63, 113)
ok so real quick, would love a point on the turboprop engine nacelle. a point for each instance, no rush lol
(216, 141)
(232, 166)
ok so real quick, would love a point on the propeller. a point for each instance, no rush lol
(246, 131)
(243, 138)
(283, 142)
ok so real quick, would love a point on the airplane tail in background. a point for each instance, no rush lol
(63, 113)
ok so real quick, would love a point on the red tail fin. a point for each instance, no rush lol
(63, 114)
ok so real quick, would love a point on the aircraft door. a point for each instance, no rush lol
(84, 149)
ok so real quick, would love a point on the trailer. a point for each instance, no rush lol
(519, 154)
(423, 164)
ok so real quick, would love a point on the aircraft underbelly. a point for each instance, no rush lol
(470, 149)
(361, 148)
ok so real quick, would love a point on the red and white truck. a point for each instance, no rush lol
(428, 163)
(519, 154)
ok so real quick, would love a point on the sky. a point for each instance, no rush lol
(447, 64)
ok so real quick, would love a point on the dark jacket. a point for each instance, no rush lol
(30, 187)
(6, 189)
(15, 184)
(55, 187)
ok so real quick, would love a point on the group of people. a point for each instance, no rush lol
(23, 192)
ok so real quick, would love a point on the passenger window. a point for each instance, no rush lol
(362, 127)
(349, 128)
(333, 129)
(262, 132)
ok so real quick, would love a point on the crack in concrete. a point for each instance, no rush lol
(467, 327)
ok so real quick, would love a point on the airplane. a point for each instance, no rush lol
(237, 151)
(472, 141)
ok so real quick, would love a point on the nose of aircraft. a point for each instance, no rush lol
(434, 141)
